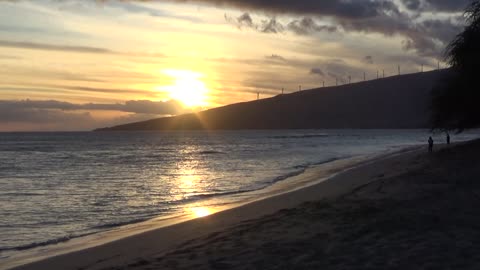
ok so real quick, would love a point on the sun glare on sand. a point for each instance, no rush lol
(201, 211)
(188, 88)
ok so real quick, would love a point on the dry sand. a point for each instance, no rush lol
(411, 211)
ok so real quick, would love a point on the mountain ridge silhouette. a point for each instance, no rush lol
(401, 102)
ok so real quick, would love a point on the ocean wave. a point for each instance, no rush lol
(296, 170)
(285, 176)
(121, 223)
(210, 152)
(304, 136)
(36, 148)
(21, 194)
(204, 196)
(299, 169)
(43, 243)
(307, 165)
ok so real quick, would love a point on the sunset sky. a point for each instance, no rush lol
(79, 65)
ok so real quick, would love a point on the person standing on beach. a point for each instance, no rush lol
(430, 144)
(448, 138)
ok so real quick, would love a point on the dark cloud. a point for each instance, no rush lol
(337, 8)
(377, 16)
(436, 5)
(317, 71)
(52, 88)
(369, 16)
(427, 38)
(430, 37)
(276, 57)
(443, 30)
(368, 59)
(57, 115)
(448, 5)
(304, 26)
(346, 9)
(145, 107)
(308, 26)
(43, 116)
(245, 20)
(271, 26)
(412, 4)
(342, 71)
(134, 106)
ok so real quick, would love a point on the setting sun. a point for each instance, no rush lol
(188, 87)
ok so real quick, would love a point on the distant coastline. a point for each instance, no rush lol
(398, 102)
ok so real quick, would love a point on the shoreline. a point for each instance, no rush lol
(311, 175)
(146, 241)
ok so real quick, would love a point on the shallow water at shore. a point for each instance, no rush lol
(58, 186)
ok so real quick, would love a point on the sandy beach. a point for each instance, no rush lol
(412, 210)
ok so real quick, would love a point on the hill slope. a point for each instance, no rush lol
(393, 102)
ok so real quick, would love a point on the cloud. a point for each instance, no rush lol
(142, 107)
(304, 26)
(340, 8)
(447, 5)
(307, 26)
(342, 71)
(153, 12)
(412, 4)
(276, 58)
(427, 38)
(9, 57)
(443, 30)
(59, 115)
(346, 9)
(368, 59)
(68, 48)
(265, 26)
(369, 16)
(106, 90)
(317, 71)
(50, 47)
(133, 106)
(245, 20)
(35, 115)
(271, 26)
(436, 5)
(133, 8)
(18, 118)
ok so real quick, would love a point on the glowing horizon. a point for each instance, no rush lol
(174, 57)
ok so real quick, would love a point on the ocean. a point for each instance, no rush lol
(59, 186)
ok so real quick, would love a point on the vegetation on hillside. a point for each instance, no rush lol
(455, 104)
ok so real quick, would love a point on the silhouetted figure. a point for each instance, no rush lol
(448, 138)
(430, 144)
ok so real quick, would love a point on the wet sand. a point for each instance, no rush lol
(409, 211)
